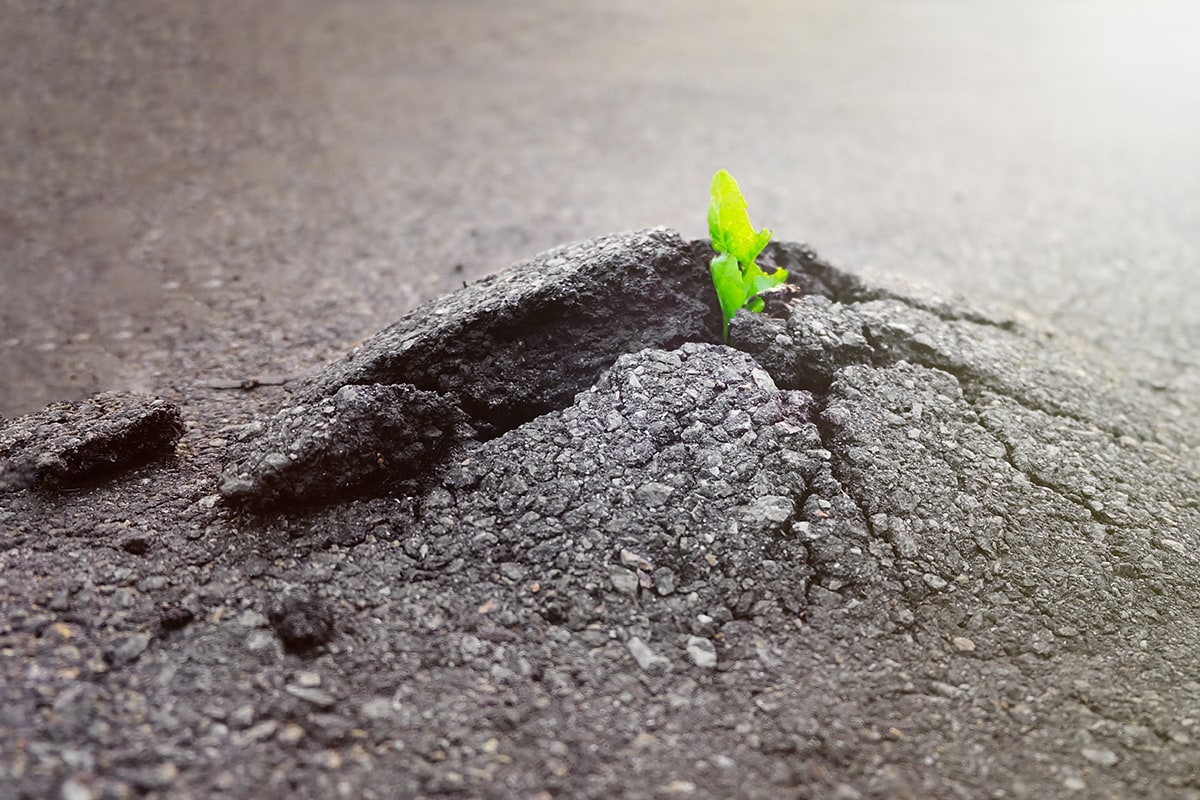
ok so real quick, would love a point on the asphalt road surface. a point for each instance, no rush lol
(229, 189)
(927, 553)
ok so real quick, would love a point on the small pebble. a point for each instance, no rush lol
(624, 581)
(302, 622)
(318, 697)
(935, 582)
(646, 658)
(74, 790)
(963, 644)
(1100, 755)
(701, 652)
(133, 647)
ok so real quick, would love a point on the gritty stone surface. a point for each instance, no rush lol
(671, 406)
(68, 443)
(958, 560)
(360, 440)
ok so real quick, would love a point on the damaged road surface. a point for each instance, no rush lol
(549, 538)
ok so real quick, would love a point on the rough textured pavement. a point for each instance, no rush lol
(911, 549)
(956, 558)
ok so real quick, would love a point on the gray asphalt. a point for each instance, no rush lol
(230, 188)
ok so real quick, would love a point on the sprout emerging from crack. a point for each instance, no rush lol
(738, 279)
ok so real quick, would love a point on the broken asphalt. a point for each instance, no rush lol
(549, 538)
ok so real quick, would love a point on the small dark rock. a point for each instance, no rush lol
(137, 544)
(345, 536)
(302, 622)
(556, 611)
(173, 618)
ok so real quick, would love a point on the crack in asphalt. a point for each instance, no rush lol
(1010, 459)
(972, 382)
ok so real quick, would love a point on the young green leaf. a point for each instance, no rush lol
(736, 277)
(729, 225)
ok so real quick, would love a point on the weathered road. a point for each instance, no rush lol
(890, 546)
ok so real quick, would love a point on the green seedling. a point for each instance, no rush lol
(738, 279)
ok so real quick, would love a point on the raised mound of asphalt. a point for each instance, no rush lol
(549, 538)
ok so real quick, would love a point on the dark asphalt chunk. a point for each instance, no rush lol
(361, 440)
(523, 341)
(66, 444)
(596, 490)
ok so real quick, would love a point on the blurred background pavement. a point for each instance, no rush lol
(229, 189)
